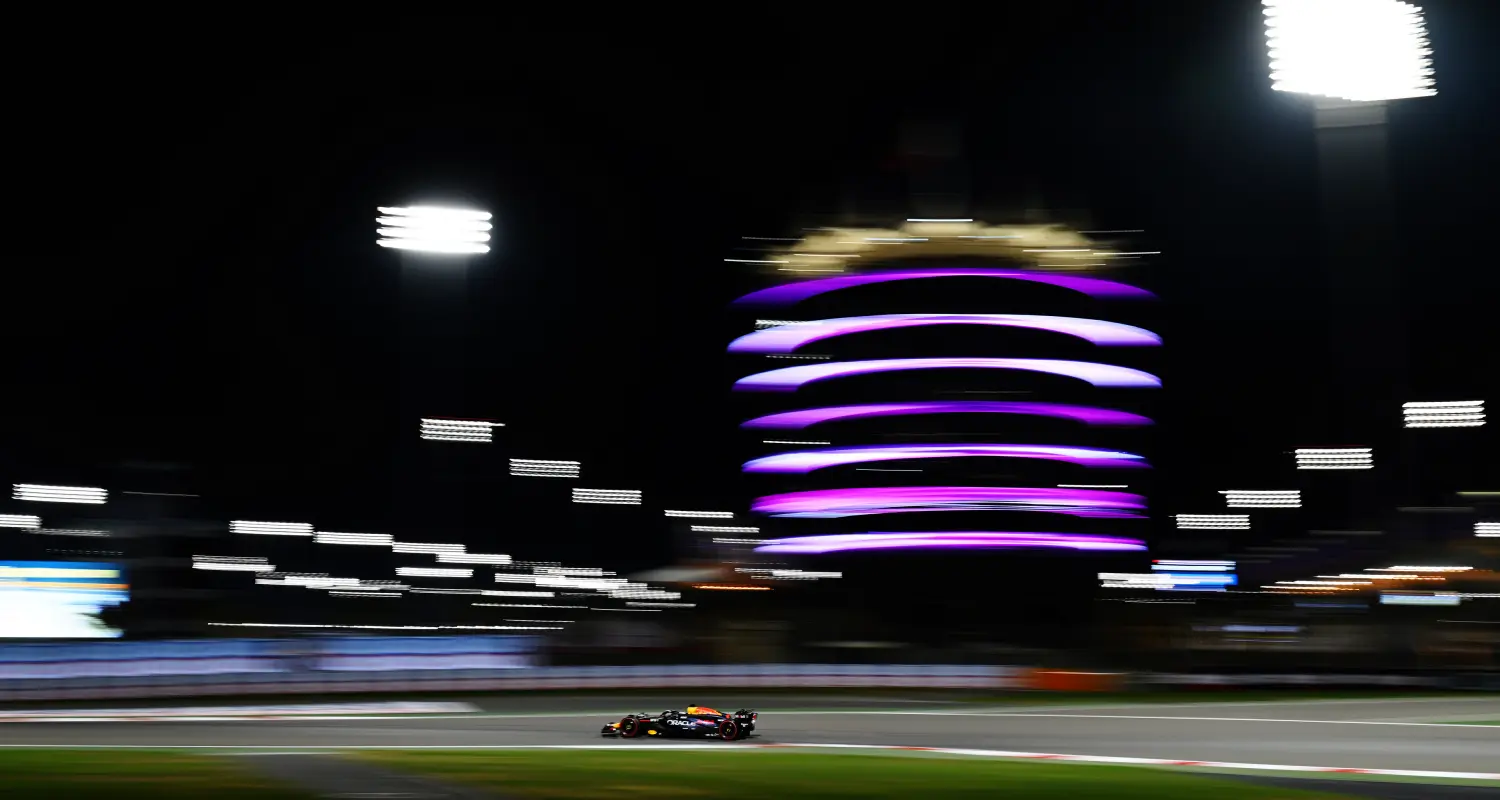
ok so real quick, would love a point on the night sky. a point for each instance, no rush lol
(195, 278)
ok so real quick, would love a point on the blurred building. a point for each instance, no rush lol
(940, 379)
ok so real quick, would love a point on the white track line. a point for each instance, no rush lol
(725, 747)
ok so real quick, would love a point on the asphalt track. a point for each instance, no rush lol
(1404, 734)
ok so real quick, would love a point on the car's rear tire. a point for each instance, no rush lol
(729, 730)
(630, 728)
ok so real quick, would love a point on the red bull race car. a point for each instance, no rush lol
(693, 722)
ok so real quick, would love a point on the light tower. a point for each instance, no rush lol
(437, 247)
(945, 386)
(1352, 58)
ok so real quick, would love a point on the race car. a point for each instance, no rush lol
(696, 722)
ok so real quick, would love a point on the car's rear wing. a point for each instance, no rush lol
(746, 714)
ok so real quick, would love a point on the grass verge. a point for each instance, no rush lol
(585, 775)
(131, 775)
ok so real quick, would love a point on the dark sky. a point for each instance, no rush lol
(195, 279)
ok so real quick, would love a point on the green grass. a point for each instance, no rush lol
(1476, 722)
(132, 774)
(585, 775)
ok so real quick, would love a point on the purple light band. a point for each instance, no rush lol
(804, 461)
(972, 540)
(787, 338)
(789, 379)
(836, 503)
(796, 420)
(788, 293)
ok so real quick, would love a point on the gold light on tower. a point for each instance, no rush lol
(1042, 247)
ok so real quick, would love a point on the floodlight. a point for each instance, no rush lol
(271, 528)
(459, 430)
(1451, 414)
(1255, 498)
(1210, 522)
(1335, 458)
(615, 497)
(541, 468)
(430, 229)
(59, 494)
(1354, 50)
(20, 521)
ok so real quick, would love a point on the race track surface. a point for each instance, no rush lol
(1400, 734)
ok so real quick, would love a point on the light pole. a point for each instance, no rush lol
(1352, 58)
(437, 246)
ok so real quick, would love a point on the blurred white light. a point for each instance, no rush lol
(1458, 414)
(646, 594)
(1249, 498)
(1204, 522)
(723, 529)
(1335, 458)
(1487, 529)
(586, 572)
(473, 558)
(221, 566)
(271, 528)
(430, 229)
(506, 593)
(434, 572)
(39, 493)
(618, 497)
(700, 514)
(20, 521)
(538, 468)
(1409, 568)
(426, 547)
(331, 537)
(637, 604)
(1357, 50)
(459, 430)
(1421, 599)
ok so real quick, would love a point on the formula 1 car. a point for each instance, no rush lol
(695, 722)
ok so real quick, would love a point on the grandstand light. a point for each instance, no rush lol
(434, 572)
(539, 468)
(1207, 522)
(1255, 498)
(1354, 50)
(1335, 458)
(458, 430)
(615, 497)
(1457, 414)
(434, 230)
(271, 528)
(699, 514)
(39, 493)
(1487, 529)
(20, 521)
(331, 537)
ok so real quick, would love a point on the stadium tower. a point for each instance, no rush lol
(929, 401)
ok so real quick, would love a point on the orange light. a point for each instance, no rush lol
(724, 587)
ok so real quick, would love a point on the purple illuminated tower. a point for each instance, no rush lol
(945, 385)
